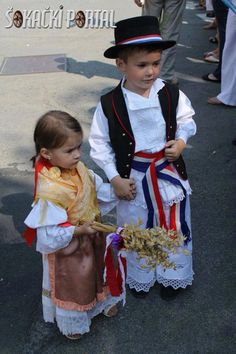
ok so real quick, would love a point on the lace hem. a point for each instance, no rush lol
(49, 313)
(175, 283)
(133, 284)
(72, 322)
(178, 199)
(138, 203)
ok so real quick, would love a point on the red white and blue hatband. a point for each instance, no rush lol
(137, 31)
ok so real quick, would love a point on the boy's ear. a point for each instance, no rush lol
(45, 153)
(120, 64)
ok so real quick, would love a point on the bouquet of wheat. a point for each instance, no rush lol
(153, 244)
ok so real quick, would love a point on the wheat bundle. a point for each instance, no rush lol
(153, 244)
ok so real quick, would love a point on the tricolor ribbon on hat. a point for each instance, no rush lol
(141, 39)
(156, 166)
(137, 31)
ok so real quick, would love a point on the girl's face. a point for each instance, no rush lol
(141, 70)
(68, 155)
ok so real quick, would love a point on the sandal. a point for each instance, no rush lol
(215, 101)
(110, 311)
(213, 52)
(73, 336)
(201, 4)
(211, 25)
(210, 77)
(211, 59)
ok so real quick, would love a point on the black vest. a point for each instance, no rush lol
(121, 135)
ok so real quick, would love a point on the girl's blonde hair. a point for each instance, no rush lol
(52, 130)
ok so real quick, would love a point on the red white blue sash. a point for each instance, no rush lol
(156, 166)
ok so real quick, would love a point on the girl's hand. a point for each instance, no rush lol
(173, 149)
(124, 188)
(85, 229)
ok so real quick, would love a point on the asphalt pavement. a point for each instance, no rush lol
(201, 320)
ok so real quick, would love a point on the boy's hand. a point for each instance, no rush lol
(124, 188)
(173, 149)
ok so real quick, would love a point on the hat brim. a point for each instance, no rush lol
(113, 52)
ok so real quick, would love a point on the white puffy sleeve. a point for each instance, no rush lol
(186, 126)
(101, 151)
(45, 217)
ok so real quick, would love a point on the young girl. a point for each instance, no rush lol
(65, 205)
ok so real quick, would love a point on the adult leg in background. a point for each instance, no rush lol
(169, 13)
(221, 12)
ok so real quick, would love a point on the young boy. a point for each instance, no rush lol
(138, 133)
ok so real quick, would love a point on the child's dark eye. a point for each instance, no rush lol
(141, 65)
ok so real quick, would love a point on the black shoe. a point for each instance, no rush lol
(138, 294)
(168, 293)
(210, 14)
(213, 40)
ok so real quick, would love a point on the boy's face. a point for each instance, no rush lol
(141, 69)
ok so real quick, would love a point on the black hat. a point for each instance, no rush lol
(141, 30)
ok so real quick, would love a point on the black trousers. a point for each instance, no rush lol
(221, 12)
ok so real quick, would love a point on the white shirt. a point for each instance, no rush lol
(147, 123)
